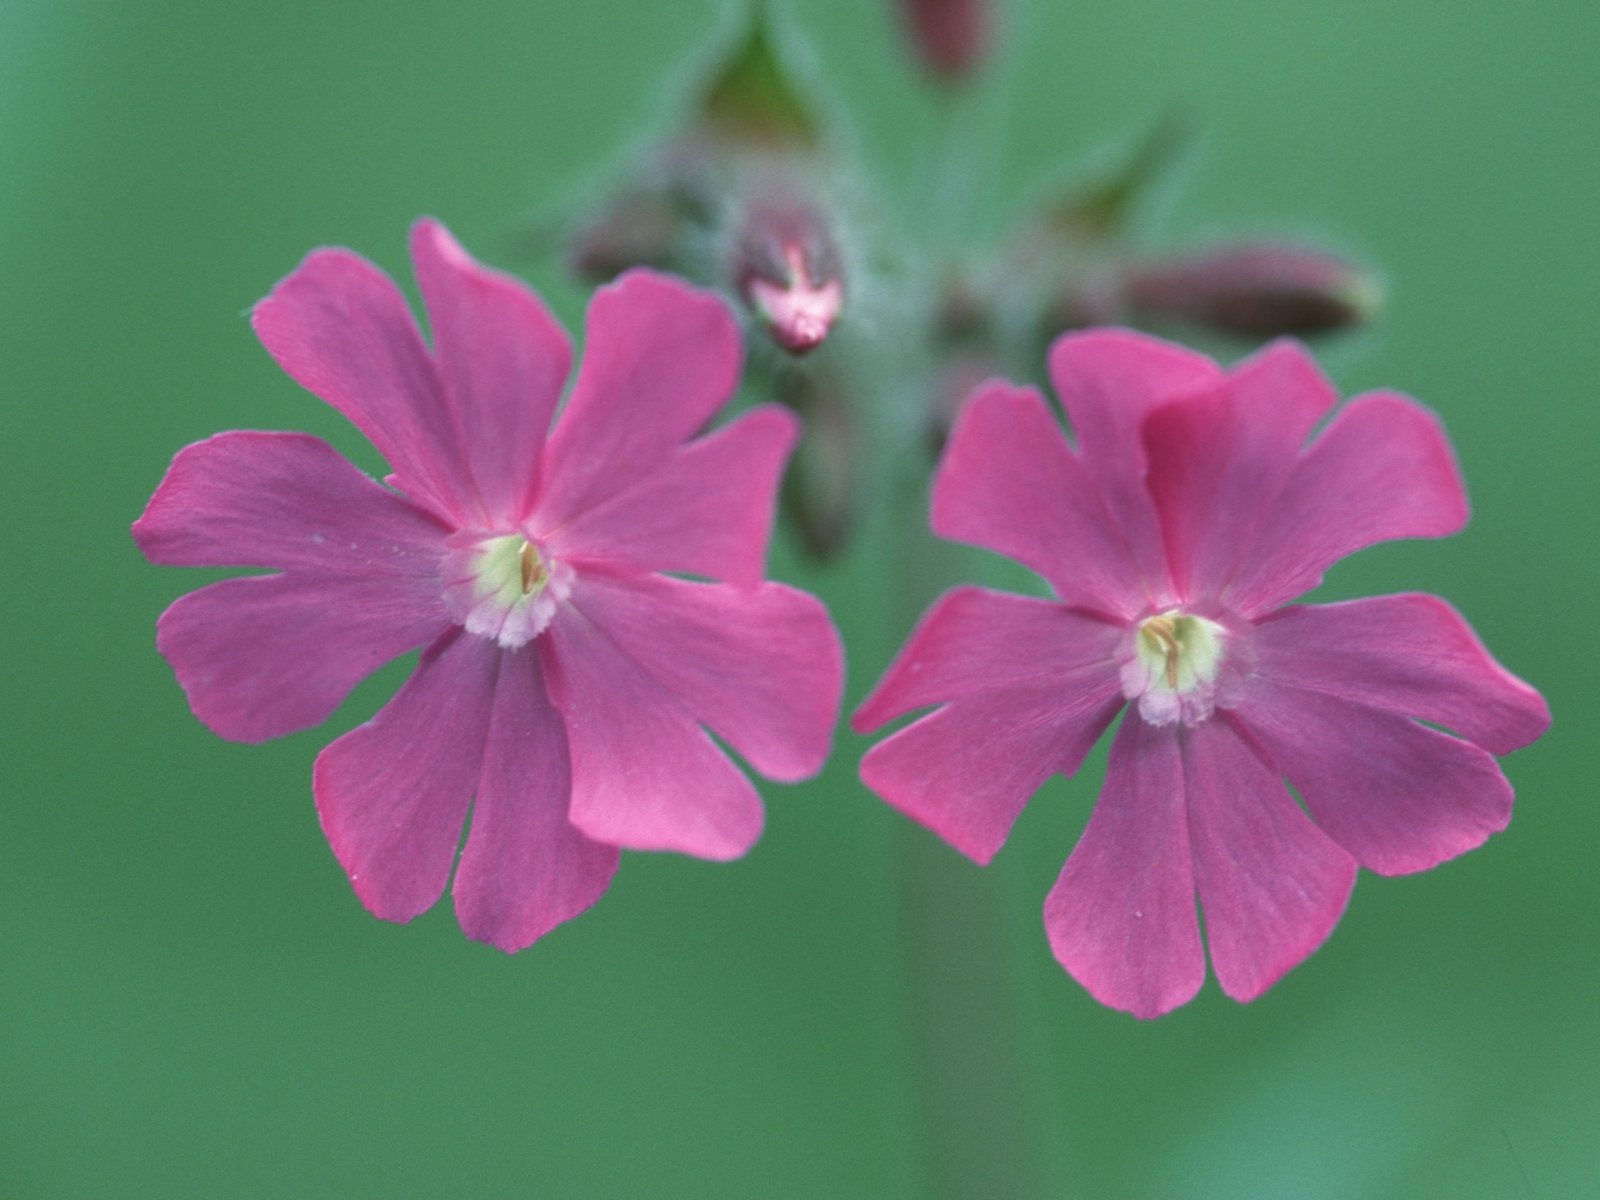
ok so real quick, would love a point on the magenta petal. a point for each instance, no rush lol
(707, 510)
(1008, 481)
(1271, 883)
(267, 655)
(1217, 462)
(393, 793)
(659, 359)
(1412, 655)
(645, 776)
(525, 869)
(1397, 795)
(968, 770)
(342, 330)
(285, 500)
(761, 666)
(974, 640)
(1382, 469)
(503, 360)
(1121, 918)
(1108, 381)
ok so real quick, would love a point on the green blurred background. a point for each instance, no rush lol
(192, 1002)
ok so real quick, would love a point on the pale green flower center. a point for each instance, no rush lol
(506, 588)
(1172, 672)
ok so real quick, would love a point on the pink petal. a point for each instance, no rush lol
(285, 500)
(1397, 795)
(659, 359)
(1412, 655)
(525, 869)
(1108, 381)
(393, 793)
(1121, 918)
(973, 640)
(645, 776)
(263, 656)
(967, 770)
(1382, 469)
(1009, 482)
(342, 330)
(707, 510)
(503, 360)
(1272, 884)
(1218, 461)
(761, 666)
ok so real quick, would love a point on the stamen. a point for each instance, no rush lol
(1172, 669)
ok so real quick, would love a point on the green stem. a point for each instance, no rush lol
(961, 994)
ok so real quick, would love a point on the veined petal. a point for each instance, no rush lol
(761, 666)
(1271, 883)
(342, 330)
(1121, 918)
(645, 776)
(284, 500)
(707, 510)
(267, 655)
(1412, 655)
(502, 358)
(659, 359)
(1218, 461)
(974, 641)
(525, 869)
(393, 793)
(1382, 469)
(1397, 795)
(968, 770)
(1008, 481)
(1109, 380)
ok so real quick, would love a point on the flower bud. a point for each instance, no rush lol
(786, 269)
(1255, 290)
(951, 37)
(822, 487)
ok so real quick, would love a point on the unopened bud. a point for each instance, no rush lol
(634, 229)
(951, 37)
(786, 268)
(1255, 290)
(822, 488)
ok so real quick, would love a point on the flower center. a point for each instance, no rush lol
(1172, 671)
(504, 587)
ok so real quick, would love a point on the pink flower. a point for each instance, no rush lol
(1191, 511)
(567, 682)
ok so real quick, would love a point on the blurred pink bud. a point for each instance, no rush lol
(1255, 290)
(786, 269)
(951, 36)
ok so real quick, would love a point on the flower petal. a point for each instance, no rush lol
(974, 640)
(342, 330)
(393, 793)
(1218, 461)
(1121, 918)
(1397, 795)
(525, 869)
(659, 359)
(1008, 481)
(1382, 469)
(503, 359)
(707, 510)
(1412, 655)
(264, 656)
(968, 770)
(1108, 381)
(285, 500)
(645, 776)
(1271, 883)
(761, 666)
